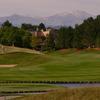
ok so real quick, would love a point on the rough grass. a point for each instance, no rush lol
(12, 49)
(63, 65)
(68, 94)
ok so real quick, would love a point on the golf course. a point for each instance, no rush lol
(67, 65)
(49, 49)
(62, 65)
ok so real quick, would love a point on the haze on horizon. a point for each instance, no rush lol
(47, 7)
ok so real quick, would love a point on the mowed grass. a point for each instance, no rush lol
(64, 65)
(17, 87)
(67, 94)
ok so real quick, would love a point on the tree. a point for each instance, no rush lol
(69, 37)
(97, 43)
(36, 42)
(89, 32)
(27, 40)
(7, 24)
(64, 38)
(50, 42)
(29, 27)
(77, 37)
(42, 27)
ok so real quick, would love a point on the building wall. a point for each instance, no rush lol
(42, 33)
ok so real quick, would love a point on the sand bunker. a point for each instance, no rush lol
(8, 66)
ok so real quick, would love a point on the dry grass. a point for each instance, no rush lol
(12, 49)
(8, 66)
(68, 94)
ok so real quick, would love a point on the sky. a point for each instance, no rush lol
(43, 8)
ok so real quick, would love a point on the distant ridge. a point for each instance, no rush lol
(19, 19)
(68, 19)
(61, 19)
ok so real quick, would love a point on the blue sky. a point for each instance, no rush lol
(47, 7)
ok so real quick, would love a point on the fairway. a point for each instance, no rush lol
(63, 65)
(17, 87)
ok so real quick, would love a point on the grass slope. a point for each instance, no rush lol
(12, 49)
(65, 65)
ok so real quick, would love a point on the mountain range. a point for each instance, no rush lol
(61, 19)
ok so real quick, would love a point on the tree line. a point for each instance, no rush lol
(20, 37)
(85, 35)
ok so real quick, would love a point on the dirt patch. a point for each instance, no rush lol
(8, 66)
(97, 49)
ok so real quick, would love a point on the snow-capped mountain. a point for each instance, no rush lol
(61, 19)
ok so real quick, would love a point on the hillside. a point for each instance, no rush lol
(68, 65)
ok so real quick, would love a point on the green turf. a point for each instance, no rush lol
(67, 65)
(26, 87)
